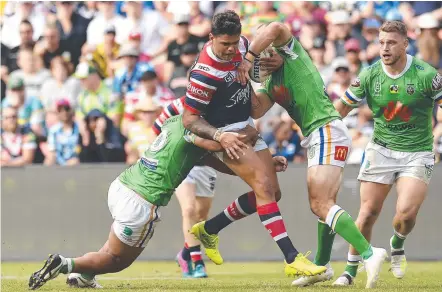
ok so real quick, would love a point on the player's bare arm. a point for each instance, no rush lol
(229, 141)
(275, 33)
(342, 108)
(261, 103)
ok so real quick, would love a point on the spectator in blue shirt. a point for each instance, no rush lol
(64, 137)
(287, 142)
(127, 78)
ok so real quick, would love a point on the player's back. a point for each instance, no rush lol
(214, 91)
(164, 165)
(307, 102)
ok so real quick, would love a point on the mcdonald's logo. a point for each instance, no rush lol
(341, 153)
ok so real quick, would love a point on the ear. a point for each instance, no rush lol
(406, 43)
(211, 36)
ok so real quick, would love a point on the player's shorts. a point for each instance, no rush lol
(204, 178)
(134, 217)
(260, 143)
(328, 145)
(384, 166)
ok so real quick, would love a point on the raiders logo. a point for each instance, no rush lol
(436, 84)
(356, 82)
(410, 89)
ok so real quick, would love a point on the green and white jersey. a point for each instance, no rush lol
(298, 87)
(402, 105)
(164, 165)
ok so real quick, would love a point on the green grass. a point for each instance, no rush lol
(261, 276)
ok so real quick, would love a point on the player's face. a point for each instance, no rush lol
(393, 46)
(225, 46)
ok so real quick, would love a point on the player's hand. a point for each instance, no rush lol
(231, 142)
(280, 163)
(251, 135)
(243, 72)
(272, 63)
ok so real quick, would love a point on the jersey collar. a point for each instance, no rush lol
(407, 66)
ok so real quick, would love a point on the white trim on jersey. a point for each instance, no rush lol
(437, 95)
(212, 71)
(407, 66)
(202, 83)
(197, 99)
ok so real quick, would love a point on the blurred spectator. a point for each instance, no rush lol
(178, 81)
(4, 69)
(89, 9)
(64, 137)
(140, 133)
(127, 78)
(105, 18)
(341, 78)
(311, 29)
(61, 85)
(26, 42)
(200, 24)
(317, 54)
(135, 42)
(17, 143)
(428, 42)
(106, 53)
(95, 95)
(175, 48)
(352, 50)
(50, 46)
(104, 141)
(149, 88)
(369, 40)
(265, 14)
(339, 31)
(10, 28)
(303, 11)
(30, 109)
(32, 76)
(151, 24)
(376, 9)
(287, 143)
(72, 28)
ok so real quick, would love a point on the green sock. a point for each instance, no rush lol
(342, 223)
(326, 236)
(68, 267)
(352, 264)
(397, 241)
(87, 276)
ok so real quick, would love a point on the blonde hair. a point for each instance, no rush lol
(394, 26)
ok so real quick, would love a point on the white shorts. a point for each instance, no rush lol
(260, 144)
(328, 145)
(134, 217)
(384, 166)
(204, 179)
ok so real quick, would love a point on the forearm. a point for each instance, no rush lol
(197, 125)
(342, 108)
(264, 39)
(261, 103)
(208, 145)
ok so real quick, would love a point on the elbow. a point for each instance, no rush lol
(188, 119)
(276, 28)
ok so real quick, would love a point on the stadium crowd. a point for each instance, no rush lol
(85, 81)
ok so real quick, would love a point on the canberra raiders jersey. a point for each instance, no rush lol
(298, 87)
(164, 165)
(402, 105)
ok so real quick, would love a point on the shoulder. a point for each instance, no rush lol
(423, 69)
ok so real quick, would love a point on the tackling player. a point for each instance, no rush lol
(134, 200)
(401, 91)
(195, 195)
(214, 93)
(298, 87)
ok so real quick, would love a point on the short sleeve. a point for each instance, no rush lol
(433, 85)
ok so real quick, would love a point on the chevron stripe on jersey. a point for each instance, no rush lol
(173, 109)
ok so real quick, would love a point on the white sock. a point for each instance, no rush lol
(68, 263)
(333, 215)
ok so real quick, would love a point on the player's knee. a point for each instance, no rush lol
(406, 218)
(264, 186)
(318, 208)
(189, 211)
(367, 216)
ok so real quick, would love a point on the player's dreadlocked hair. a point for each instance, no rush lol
(394, 26)
(227, 22)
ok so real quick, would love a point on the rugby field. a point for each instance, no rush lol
(231, 276)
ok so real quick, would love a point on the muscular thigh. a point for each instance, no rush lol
(324, 181)
(250, 168)
(411, 194)
(373, 196)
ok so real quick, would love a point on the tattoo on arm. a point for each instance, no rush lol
(202, 128)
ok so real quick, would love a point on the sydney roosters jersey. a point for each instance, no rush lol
(173, 109)
(213, 90)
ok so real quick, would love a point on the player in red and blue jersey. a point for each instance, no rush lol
(217, 104)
